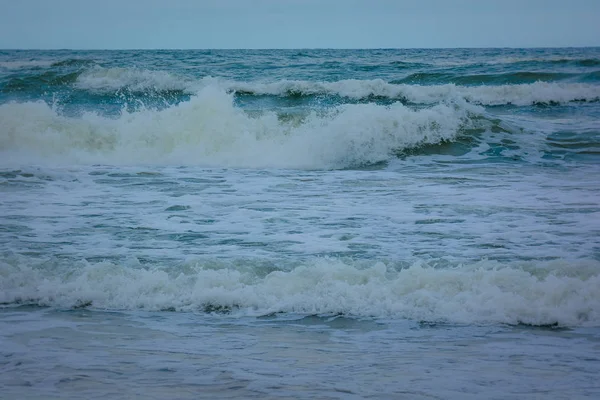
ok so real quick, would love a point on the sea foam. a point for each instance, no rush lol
(560, 292)
(111, 80)
(520, 95)
(210, 130)
(108, 80)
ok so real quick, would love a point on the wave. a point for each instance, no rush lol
(408, 65)
(480, 60)
(24, 64)
(558, 293)
(110, 80)
(519, 95)
(588, 62)
(209, 130)
(540, 61)
(534, 92)
(74, 62)
(38, 64)
(525, 88)
(39, 82)
(512, 78)
(574, 61)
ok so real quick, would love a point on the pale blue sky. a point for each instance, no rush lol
(200, 24)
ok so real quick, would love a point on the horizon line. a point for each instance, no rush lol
(288, 48)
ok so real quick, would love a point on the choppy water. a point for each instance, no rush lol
(300, 223)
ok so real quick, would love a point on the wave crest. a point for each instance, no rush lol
(560, 293)
(110, 80)
(519, 95)
(422, 88)
(210, 130)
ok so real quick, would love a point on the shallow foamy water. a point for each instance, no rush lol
(300, 224)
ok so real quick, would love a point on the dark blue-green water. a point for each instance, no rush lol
(300, 224)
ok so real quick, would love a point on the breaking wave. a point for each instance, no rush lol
(519, 95)
(519, 89)
(210, 130)
(424, 78)
(108, 80)
(530, 89)
(560, 292)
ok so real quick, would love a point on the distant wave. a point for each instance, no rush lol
(522, 62)
(210, 130)
(520, 95)
(74, 62)
(512, 78)
(534, 92)
(15, 65)
(408, 64)
(559, 293)
(518, 88)
(24, 64)
(100, 79)
(575, 61)
(538, 92)
(37, 82)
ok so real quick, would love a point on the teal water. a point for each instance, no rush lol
(300, 223)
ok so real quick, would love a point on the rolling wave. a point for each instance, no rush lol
(74, 62)
(512, 78)
(518, 88)
(536, 92)
(558, 293)
(519, 95)
(575, 61)
(38, 82)
(109, 80)
(210, 130)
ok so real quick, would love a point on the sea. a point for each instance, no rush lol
(300, 224)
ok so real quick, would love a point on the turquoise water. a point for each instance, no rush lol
(300, 223)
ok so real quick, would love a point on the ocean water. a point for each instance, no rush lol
(334, 224)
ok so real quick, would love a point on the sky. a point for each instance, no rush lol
(216, 24)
